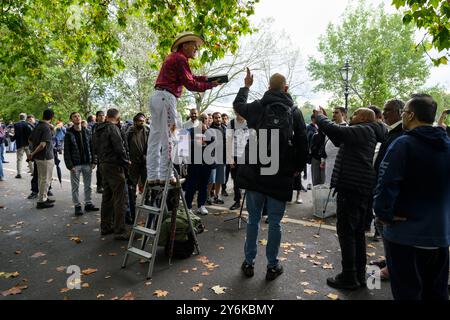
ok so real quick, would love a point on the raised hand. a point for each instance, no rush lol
(248, 79)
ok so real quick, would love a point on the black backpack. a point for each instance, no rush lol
(278, 115)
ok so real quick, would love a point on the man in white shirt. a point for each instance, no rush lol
(193, 123)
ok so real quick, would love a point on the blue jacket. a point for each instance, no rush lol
(414, 183)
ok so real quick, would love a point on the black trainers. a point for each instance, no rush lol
(209, 202)
(18, 176)
(100, 190)
(90, 207)
(248, 269)
(44, 205)
(235, 206)
(50, 201)
(225, 194)
(218, 201)
(32, 196)
(273, 273)
(78, 211)
(49, 194)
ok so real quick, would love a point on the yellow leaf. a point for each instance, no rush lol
(88, 271)
(197, 287)
(332, 296)
(328, 266)
(263, 242)
(76, 239)
(64, 290)
(160, 293)
(371, 254)
(218, 289)
(309, 291)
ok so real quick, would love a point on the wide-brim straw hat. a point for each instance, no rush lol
(187, 37)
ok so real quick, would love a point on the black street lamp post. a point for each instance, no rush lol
(346, 73)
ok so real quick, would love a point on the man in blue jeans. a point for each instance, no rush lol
(274, 111)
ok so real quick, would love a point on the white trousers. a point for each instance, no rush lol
(163, 110)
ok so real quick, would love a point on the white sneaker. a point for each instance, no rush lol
(202, 211)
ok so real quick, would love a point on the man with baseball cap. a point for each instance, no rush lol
(174, 74)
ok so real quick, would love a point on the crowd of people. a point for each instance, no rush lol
(387, 167)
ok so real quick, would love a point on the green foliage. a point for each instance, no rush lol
(381, 51)
(76, 53)
(434, 17)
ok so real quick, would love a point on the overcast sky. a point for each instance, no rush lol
(304, 21)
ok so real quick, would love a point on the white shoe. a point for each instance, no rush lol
(299, 201)
(202, 211)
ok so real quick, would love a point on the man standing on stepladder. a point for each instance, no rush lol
(174, 74)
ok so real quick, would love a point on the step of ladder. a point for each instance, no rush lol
(144, 231)
(139, 253)
(149, 209)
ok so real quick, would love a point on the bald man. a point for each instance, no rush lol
(353, 179)
(271, 191)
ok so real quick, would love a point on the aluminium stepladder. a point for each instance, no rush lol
(154, 216)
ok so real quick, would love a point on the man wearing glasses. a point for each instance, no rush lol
(412, 202)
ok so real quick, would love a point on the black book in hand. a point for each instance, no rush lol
(222, 78)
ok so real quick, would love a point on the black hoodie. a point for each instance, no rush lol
(353, 169)
(280, 185)
(109, 145)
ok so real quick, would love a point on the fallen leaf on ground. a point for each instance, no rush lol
(7, 275)
(302, 271)
(205, 273)
(371, 246)
(316, 236)
(100, 295)
(128, 296)
(61, 269)
(332, 296)
(64, 290)
(18, 252)
(44, 262)
(160, 293)
(107, 277)
(203, 259)
(221, 248)
(76, 239)
(14, 290)
(88, 271)
(49, 281)
(371, 254)
(194, 269)
(263, 242)
(218, 289)
(282, 259)
(185, 271)
(316, 263)
(112, 254)
(197, 287)
(38, 254)
(304, 283)
(148, 283)
(309, 291)
(85, 285)
(328, 266)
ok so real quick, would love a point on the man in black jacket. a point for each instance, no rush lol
(22, 132)
(79, 159)
(353, 179)
(113, 160)
(137, 139)
(99, 118)
(274, 189)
